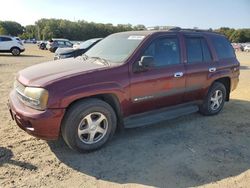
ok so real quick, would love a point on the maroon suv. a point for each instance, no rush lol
(129, 79)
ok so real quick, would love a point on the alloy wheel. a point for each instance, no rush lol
(92, 128)
(216, 100)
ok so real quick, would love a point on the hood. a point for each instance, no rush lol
(42, 74)
(61, 51)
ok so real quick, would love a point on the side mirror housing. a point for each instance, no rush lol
(145, 64)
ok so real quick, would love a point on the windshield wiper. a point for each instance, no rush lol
(102, 60)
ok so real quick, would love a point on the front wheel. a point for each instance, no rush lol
(215, 99)
(88, 125)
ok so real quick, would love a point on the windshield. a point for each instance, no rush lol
(116, 48)
(87, 43)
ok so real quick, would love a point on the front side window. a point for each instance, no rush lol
(165, 51)
(197, 50)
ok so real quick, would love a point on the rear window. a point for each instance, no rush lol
(222, 47)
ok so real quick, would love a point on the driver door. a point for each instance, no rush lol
(163, 84)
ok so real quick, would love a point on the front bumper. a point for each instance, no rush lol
(41, 124)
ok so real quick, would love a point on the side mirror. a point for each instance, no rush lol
(145, 64)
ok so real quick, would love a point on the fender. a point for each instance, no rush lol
(219, 74)
(84, 91)
(212, 77)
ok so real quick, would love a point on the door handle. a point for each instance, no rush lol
(178, 74)
(212, 69)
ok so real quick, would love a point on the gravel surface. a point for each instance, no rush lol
(189, 151)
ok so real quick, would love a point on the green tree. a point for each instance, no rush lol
(11, 28)
(238, 36)
(3, 31)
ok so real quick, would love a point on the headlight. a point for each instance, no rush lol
(33, 97)
(37, 97)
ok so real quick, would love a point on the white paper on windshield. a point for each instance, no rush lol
(136, 37)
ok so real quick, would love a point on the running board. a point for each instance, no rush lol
(156, 116)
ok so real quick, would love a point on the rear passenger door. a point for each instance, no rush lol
(199, 63)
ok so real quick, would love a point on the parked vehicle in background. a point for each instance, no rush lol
(77, 44)
(127, 80)
(42, 45)
(11, 45)
(247, 48)
(238, 47)
(29, 41)
(53, 44)
(62, 53)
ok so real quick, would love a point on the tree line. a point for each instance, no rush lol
(235, 35)
(45, 29)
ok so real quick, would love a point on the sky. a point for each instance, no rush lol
(203, 14)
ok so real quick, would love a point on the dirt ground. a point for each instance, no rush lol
(186, 152)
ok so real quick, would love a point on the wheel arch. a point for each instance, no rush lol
(226, 81)
(14, 47)
(109, 98)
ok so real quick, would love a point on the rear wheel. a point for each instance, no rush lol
(15, 51)
(215, 99)
(88, 125)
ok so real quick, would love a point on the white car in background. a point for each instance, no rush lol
(10, 44)
(247, 48)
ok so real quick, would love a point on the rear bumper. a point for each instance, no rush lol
(41, 124)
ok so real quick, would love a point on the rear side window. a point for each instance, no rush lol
(222, 47)
(5, 39)
(197, 50)
(205, 50)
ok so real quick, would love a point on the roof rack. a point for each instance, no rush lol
(187, 29)
(175, 28)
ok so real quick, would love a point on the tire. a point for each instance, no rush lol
(211, 106)
(80, 130)
(15, 51)
(42, 46)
